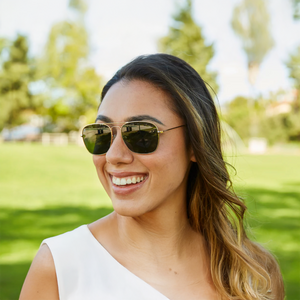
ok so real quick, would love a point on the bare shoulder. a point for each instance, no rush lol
(41, 282)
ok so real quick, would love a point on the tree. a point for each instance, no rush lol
(185, 40)
(294, 68)
(16, 72)
(251, 22)
(3, 45)
(79, 6)
(293, 65)
(238, 116)
(296, 4)
(272, 124)
(73, 86)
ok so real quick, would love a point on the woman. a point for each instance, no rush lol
(177, 227)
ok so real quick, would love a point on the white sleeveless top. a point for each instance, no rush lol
(86, 271)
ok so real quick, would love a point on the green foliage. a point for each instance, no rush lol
(185, 40)
(78, 5)
(73, 86)
(251, 22)
(60, 85)
(293, 65)
(16, 72)
(3, 45)
(276, 127)
(67, 46)
(296, 4)
(238, 116)
(294, 128)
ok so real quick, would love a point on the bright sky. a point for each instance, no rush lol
(123, 29)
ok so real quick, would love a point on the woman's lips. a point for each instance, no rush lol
(127, 180)
(127, 183)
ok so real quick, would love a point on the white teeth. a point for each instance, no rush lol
(116, 180)
(127, 180)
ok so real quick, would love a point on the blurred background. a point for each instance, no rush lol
(55, 57)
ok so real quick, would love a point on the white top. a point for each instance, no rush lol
(86, 270)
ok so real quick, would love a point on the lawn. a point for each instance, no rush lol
(48, 190)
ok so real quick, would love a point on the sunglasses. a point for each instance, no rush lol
(139, 137)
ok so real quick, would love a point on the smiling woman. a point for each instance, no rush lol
(177, 227)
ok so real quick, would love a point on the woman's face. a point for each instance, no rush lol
(163, 173)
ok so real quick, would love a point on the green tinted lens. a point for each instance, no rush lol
(140, 137)
(97, 138)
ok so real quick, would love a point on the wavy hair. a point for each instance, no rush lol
(240, 268)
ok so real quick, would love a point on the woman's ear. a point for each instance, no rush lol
(192, 156)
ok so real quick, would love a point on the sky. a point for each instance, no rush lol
(120, 30)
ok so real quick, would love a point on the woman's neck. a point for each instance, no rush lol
(158, 236)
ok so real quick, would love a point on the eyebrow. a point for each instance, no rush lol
(103, 118)
(133, 118)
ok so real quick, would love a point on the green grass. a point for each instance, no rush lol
(45, 191)
(271, 186)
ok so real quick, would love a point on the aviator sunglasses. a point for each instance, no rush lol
(138, 136)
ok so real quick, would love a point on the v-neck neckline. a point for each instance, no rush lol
(119, 265)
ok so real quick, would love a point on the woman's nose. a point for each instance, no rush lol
(118, 152)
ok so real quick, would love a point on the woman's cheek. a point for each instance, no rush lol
(99, 162)
(96, 160)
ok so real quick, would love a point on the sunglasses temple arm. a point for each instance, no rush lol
(162, 131)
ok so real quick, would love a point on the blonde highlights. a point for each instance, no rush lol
(240, 268)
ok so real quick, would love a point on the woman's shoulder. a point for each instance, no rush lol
(68, 238)
(59, 260)
(41, 281)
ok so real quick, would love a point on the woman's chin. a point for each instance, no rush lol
(126, 209)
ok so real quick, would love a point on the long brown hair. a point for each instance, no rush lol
(240, 268)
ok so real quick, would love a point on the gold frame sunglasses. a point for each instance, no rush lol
(139, 136)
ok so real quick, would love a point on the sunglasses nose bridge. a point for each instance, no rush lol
(114, 131)
(116, 126)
